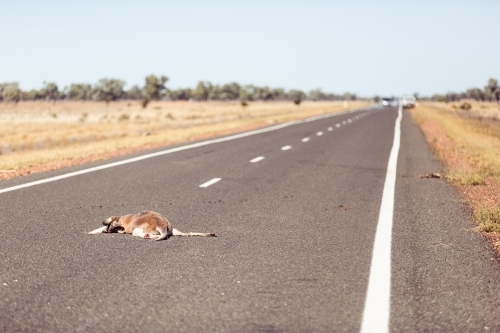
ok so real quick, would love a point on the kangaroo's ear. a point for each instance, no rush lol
(114, 227)
(110, 219)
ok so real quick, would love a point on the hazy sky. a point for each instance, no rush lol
(366, 47)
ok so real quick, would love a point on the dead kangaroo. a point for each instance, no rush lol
(147, 225)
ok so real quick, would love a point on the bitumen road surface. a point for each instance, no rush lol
(296, 212)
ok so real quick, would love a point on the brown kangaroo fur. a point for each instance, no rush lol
(146, 224)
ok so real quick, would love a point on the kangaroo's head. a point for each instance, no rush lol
(112, 224)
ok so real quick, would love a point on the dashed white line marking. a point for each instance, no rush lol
(257, 159)
(344, 122)
(305, 139)
(349, 120)
(377, 309)
(338, 125)
(210, 182)
(319, 133)
(286, 148)
(172, 150)
(330, 129)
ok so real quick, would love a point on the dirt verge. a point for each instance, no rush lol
(474, 175)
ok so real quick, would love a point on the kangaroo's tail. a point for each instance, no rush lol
(176, 232)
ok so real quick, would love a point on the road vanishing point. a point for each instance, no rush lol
(323, 226)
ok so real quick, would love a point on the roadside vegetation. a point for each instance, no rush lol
(41, 135)
(465, 135)
(489, 93)
(154, 89)
(48, 128)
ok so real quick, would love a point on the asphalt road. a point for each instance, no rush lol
(294, 248)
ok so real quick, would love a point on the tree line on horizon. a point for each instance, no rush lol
(489, 93)
(154, 88)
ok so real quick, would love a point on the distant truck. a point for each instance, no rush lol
(408, 102)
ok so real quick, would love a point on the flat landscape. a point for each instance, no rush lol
(237, 166)
(297, 208)
(40, 136)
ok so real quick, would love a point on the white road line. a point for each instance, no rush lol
(319, 133)
(210, 182)
(330, 129)
(338, 125)
(344, 122)
(349, 120)
(286, 147)
(173, 150)
(377, 309)
(305, 139)
(257, 159)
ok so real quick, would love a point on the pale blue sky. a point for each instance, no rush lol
(366, 47)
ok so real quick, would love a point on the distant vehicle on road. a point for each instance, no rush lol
(408, 102)
(387, 101)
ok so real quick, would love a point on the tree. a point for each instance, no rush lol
(296, 96)
(349, 97)
(50, 91)
(262, 94)
(230, 92)
(10, 92)
(154, 87)
(182, 94)
(278, 94)
(316, 95)
(32, 95)
(108, 90)
(493, 89)
(200, 93)
(80, 92)
(134, 93)
(476, 94)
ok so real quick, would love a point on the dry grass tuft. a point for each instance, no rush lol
(489, 219)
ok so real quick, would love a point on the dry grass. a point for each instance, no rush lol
(468, 143)
(477, 109)
(38, 136)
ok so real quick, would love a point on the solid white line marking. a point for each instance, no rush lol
(286, 147)
(97, 231)
(319, 133)
(377, 309)
(305, 139)
(210, 182)
(330, 129)
(257, 159)
(173, 150)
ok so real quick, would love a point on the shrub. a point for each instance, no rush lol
(465, 106)
(124, 117)
(145, 101)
